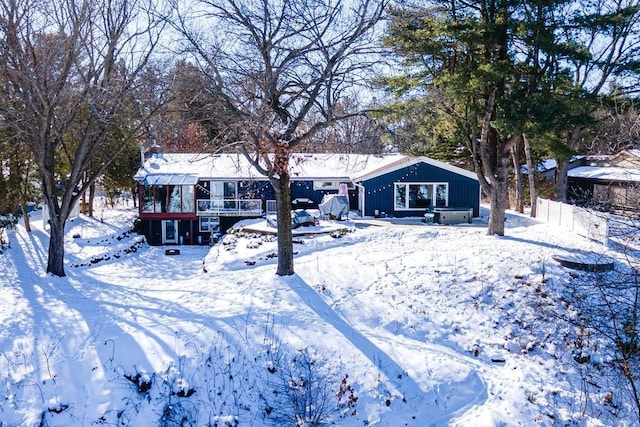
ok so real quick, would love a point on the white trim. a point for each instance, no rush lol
(407, 161)
(211, 221)
(433, 195)
(361, 198)
(164, 231)
(334, 184)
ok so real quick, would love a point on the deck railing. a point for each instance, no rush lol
(229, 207)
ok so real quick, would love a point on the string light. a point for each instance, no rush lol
(262, 189)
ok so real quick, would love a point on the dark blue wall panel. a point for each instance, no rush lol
(379, 191)
(304, 190)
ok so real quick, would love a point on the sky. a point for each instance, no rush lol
(387, 322)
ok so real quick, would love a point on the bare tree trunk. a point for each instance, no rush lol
(83, 203)
(562, 166)
(533, 194)
(92, 195)
(55, 261)
(560, 181)
(282, 186)
(491, 160)
(27, 223)
(499, 199)
(517, 173)
(134, 196)
(59, 208)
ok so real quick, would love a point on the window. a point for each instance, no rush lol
(188, 198)
(324, 185)
(209, 223)
(168, 198)
(331, 185)
(419, 195)
(175, 199)
(222, 190)
(147, 198)
(161, 198)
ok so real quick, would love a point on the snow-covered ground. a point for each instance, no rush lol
(388, 323)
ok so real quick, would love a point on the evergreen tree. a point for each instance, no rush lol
(494, 72)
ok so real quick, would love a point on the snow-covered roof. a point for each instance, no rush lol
(356, 167)
(607, 173)
(404, 161)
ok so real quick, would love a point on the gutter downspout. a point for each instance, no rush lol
(361, 200)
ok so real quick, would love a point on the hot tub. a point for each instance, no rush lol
(452, 215)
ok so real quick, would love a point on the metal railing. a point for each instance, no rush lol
(229, 207)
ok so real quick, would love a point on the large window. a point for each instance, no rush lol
(224, 194)
(188, 199)
(168, 198)
(175, 199)
(147, 198)
(420, 195)
(222, 190)
(209, 223)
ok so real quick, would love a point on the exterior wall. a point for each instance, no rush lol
(304, 190)
(262, 190)
(378, 194)
(379, 191)
(188, 224)
(623, 159)
(188, 231)
(621, 197)
(580, 191)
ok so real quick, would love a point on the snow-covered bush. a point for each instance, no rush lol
(302, 390)
(7, 223)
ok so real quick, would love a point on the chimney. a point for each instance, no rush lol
(154, 149)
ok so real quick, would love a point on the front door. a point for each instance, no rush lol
(169, 231)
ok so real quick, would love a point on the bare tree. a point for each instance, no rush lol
(282, 67)
(610, 30)
(608, 312)
(68, 70)
(356, 134)
(618, 129)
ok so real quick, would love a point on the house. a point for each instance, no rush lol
(547, 168)
(188, 198)
(607, 182)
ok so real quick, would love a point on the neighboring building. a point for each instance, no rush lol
(547, 169)
(187, 198)
(610, 183)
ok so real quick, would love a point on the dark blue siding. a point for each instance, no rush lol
(379, 191)
(256, 190)
(263, 190)
(304, 190)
